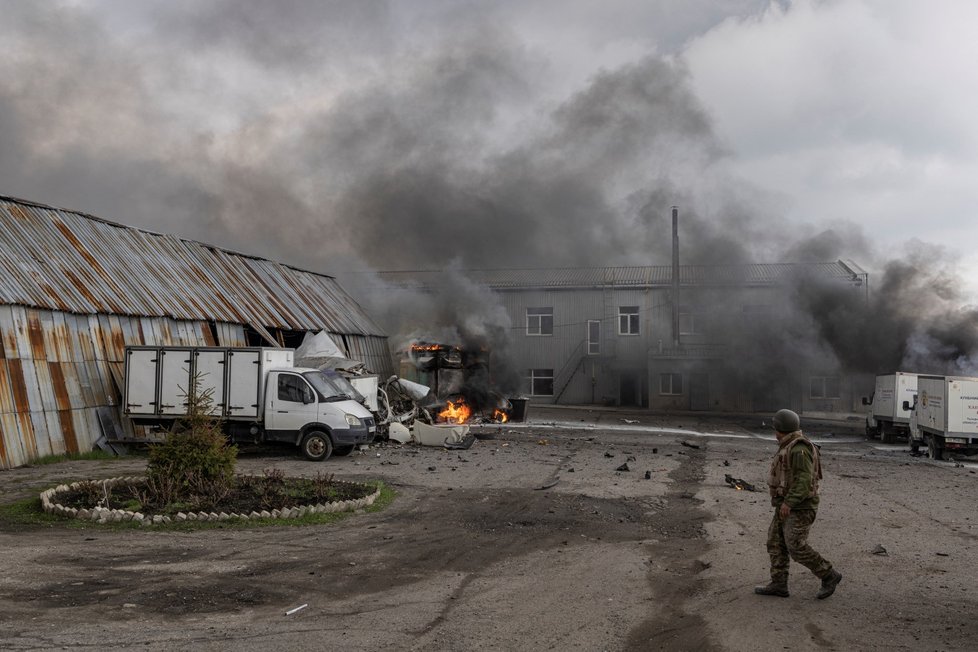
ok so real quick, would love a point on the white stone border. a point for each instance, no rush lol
(104, 515)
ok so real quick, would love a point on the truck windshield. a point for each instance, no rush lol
(345, 385)
(328, 390)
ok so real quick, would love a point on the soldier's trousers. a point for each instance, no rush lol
(788, 539)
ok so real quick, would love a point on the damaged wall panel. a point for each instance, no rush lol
(49, 400)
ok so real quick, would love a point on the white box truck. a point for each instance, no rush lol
(888, 418)
(256, 392)
(945, 416)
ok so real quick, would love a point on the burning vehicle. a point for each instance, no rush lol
(461, 382)
(442, 390)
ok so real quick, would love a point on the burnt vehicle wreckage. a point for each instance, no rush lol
(441, 391)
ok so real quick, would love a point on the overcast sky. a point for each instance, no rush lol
(416, 134)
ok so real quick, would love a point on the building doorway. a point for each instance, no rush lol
(699, 391)
(629, 389)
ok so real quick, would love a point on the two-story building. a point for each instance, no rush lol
(630, 336)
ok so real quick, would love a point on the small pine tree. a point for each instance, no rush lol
(195, 463)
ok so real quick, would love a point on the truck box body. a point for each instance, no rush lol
(158, 378)
(946, 414)
(892, 390)
(256, 392)
(890, 415)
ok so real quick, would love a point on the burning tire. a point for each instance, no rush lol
(316, 446)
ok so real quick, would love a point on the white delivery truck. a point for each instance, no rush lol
(945, 416)
(889, 418)
(256, 392)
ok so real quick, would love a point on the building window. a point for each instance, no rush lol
(671, 384)
(541, 382)
(824, 387)
(539, 321)
(628, 320)
(688, 322)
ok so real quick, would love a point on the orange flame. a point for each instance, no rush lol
(456, 412)
(500, 416)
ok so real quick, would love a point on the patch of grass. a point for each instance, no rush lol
(97, 454)
(28, 513)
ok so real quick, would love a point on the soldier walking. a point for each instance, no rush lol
(793, 482)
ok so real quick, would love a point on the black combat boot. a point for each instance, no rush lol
(829, 582)
(774, 588)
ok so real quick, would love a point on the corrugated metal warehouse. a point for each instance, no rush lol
(619, 336)
(77, 290)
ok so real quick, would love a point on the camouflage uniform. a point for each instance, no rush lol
(795, 472)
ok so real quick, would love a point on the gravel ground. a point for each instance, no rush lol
(529, 540)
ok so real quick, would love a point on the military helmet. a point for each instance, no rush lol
(786, 421)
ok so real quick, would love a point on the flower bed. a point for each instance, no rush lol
(296, 497)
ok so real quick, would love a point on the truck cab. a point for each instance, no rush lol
(305, 407)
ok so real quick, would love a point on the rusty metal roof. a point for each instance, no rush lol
(65, 260)
(630, 277)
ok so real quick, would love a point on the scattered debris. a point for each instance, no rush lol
(548, 485)
(655, 451)
(297, 609)
(689, 445)
(880, 550)
(464, 444)
(399, 432)
(630, 421)
(608, 454)
(726, 463)
(942, 554)
(648, 475)
(439, 435)
(623, 467)
(738, 484)
(543, 442)
(630, 458)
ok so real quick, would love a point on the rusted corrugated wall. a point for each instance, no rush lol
(57, 369)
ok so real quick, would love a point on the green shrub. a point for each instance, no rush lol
(194, 464)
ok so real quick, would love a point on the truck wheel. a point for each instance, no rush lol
(342, 451)
(934, 451)
(316, 446)
(886, 433)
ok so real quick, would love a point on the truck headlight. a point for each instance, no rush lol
(353, 421)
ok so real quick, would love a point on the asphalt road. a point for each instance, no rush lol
(530, 540)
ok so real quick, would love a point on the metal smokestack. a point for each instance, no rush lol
(675, 276)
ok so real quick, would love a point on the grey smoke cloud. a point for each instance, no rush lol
(344, 136)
